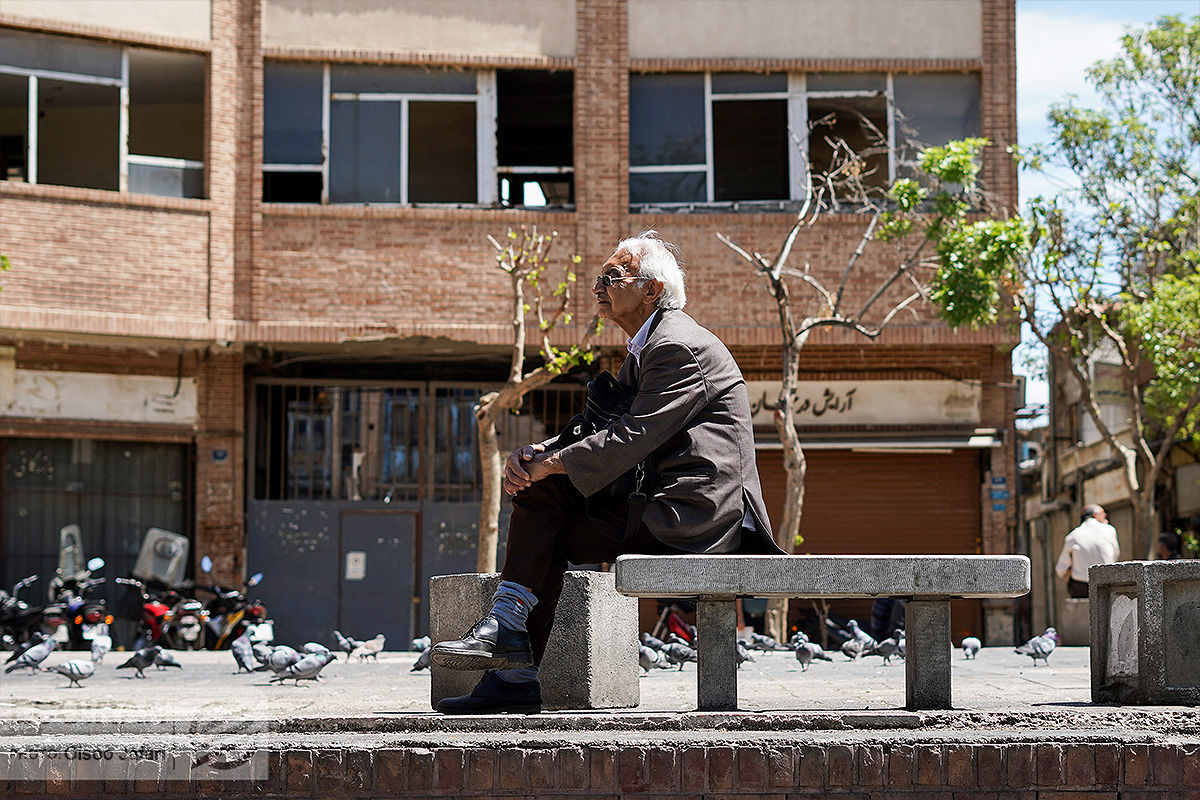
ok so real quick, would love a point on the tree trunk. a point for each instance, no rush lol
(491, 468)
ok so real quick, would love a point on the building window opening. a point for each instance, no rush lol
(99, 116)
(14, 121)
(292, 136)
(166, 123)
(65, 158)
(534, 147)
(848, 146)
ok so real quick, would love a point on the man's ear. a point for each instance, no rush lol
(654, 290)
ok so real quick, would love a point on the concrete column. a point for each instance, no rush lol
(927, 662)
(716, 628)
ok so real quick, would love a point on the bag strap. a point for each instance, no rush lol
(637, 500)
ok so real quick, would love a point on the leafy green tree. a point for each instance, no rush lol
(1105, 272)
(541, 291)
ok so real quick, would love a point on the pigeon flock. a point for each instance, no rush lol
(286, 663)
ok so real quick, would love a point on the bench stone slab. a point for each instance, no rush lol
(591, 659)
(928, 583)
(824, 576)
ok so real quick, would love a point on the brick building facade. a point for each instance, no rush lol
(278, 226)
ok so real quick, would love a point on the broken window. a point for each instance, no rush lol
(848, 133)
(63, 111)
(673, 160)
(534, 133)
(402, 135)
(166, 123)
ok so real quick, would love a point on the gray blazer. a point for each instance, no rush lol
(693, 413)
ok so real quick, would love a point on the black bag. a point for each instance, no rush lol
(607, 401)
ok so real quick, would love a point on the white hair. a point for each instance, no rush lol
(658, 260)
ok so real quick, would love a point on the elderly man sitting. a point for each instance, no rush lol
(690, 416)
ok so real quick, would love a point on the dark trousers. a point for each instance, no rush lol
(550, 528)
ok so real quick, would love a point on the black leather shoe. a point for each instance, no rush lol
(494, 695)
(489, 645)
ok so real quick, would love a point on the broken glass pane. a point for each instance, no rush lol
(847, 144)
(666, 120)
(750, 149)
(441, 152)
(166, 104)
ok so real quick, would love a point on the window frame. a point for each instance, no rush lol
(124, 157)
(797, 96)
(488, 171)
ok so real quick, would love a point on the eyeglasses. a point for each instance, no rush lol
(607, 280)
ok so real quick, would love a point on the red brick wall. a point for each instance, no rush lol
(70, 251)
(220, 483)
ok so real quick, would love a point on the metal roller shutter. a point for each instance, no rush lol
(885, 503)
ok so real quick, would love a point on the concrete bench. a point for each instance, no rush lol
(927, 583)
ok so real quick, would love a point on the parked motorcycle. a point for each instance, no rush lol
(73, 613)
(154, 600)
(18, 619)
(230, 615)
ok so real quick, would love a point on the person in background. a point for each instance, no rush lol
(1093, 542)
(1168, 546)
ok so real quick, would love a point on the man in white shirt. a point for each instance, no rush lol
(1093, 542)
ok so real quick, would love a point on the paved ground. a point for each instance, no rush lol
(998, 689)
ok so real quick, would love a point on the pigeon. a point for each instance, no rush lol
(141, 659)
(369, 648)
(1040, 646)
(652, 642)
(281, 658)
(243, 653)
(888, 647)
(33, 656)
(675, 638)
(866, 639)
(308, 648)
(305, 669)
(421, 645)
(759, 641)
(902, 649)
(852, 649)
(36, 639)
(678, 654)
(818, 652)
(423, 660)
(75, 670)
(970, 646)
(345, 643)
(804, 654)
(649, 658)
(260, 651)
(165, 658)
(101, 643)
(743, 654)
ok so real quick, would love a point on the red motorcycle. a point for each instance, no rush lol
(167, 617)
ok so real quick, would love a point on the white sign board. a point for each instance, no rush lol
(102, 398)
(872, 402)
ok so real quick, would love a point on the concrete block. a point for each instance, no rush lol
(591, 658)
(1145, 632)
(927, 656)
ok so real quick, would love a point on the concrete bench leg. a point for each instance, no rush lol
(927, 659)
(716, 673)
